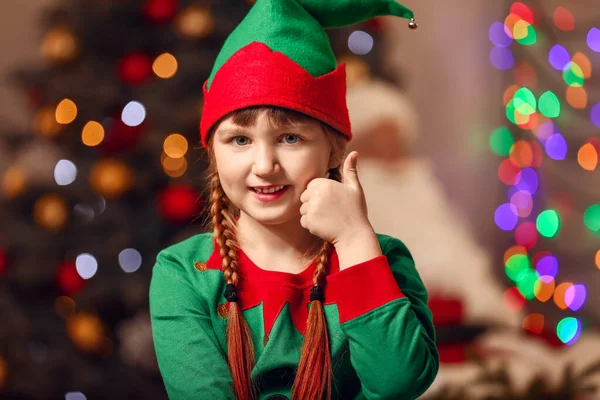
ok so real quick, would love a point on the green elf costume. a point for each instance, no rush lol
(382, 339)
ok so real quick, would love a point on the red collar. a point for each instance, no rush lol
(274, 289)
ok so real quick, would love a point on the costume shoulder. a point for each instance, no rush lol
(183, 267)
(193, 249)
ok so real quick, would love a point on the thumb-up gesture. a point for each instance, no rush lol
(333, 210)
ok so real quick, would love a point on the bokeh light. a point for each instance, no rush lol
(506, 217)
(597, 259)
(513, 300)
(591, 218)
(577, 97)
(595, 115)
(133, 113)
(593, 39)
(509, 93)
(558, 57)
(511, 251)
(502, 58)
(66, 112)
(545, 130)
(549, 105)
(547, 266)
(563, 19)
(524, 33)
(559, 295)
(548, 223)
(175, 145)
(516, 266)
(584, 64)
(575, 297)
(573, 75)
(165, 66)
(521, 154)
(534, 323)
(501, 141)
(360, 43)
(130, 260)
(525, 75)
(523, 202)
(526, 235)
(556, 147)
(86, 265)
(92, 134)
(587, 157)
(568, 330)
(526, 283)
(508, 172)
(498, 35)
(528, 181)
(544, 288)
(65, 172)
(522, 11)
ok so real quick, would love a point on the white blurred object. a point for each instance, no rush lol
(407, 201)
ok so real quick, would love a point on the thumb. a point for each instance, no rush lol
(350, 171)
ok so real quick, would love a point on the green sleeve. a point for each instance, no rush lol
(191, 361)
(392, 340)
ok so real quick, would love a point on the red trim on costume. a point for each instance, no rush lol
(363, 287)
(255, 75)
(356, 290)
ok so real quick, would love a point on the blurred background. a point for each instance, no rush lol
(479, 135)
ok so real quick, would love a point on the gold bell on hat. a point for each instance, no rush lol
(412, 24)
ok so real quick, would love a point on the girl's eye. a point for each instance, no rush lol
(289, 139)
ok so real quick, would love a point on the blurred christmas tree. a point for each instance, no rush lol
(106, 178)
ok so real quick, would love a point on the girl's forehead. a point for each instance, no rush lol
(263, 126)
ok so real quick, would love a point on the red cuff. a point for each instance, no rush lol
(362, 288)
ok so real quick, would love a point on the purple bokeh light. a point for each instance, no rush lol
(498, 35)
(506, 217)
(556, 147)
(547, 265)
(593, 39)
(529, 180)
(502, 58)
(575, 297)
(559, 57)
(595, 114)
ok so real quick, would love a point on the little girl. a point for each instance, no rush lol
(291, 295)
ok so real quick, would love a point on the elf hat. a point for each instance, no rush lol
(280, 55)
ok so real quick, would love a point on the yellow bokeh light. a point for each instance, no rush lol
(577, 97)
(587, 157)
(165, 66)
(520, 31)
(92, 134)
(13, 182)
(175, 145)
(45, 123)
(66, 112)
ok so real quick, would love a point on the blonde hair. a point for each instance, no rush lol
(314, 375)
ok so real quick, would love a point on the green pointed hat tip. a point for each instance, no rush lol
(296, 28)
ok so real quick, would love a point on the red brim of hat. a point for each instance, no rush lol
(256, 76)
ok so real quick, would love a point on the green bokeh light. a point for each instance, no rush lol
(501, 141)
(517, 266)
(526, 283)
(548, 223)
(567, 329)
(524, 101)
(573, 75)
(510, 112)
(549, 105)
(591, 218)
(531, 37)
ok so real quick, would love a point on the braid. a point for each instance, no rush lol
(239, 341)
(314, 376)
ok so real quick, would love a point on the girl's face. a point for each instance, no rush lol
(263, 155)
